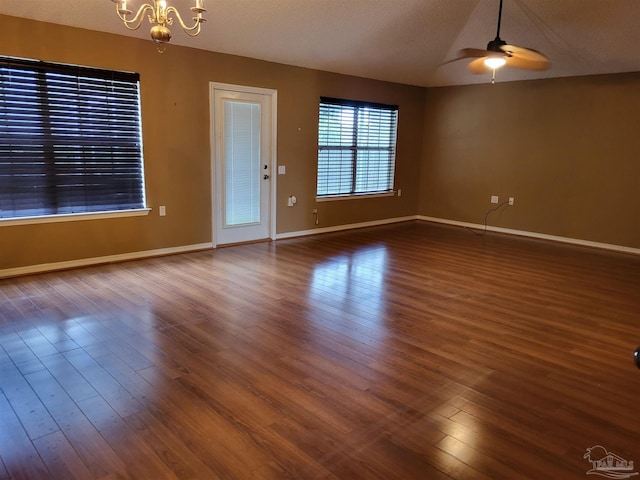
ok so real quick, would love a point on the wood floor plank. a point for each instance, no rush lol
(60, 457)
(406, 351)
(32, 414)
(4, 474)
(213, 434)
(172, 451)
(17, 453)
(80, 434)
(16, 348)
(74, 384)
(115, 394)
(139, 458)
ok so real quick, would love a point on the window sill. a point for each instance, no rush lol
(358, 196)
(72, 217)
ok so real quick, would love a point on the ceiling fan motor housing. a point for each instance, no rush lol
(495, 45)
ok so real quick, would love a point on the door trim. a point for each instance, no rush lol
(273, 94)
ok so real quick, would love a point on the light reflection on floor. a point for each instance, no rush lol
(352, 283)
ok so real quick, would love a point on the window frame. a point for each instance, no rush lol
(96, 147)
(355, 148)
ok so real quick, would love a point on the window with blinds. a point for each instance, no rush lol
(356, 147)
(70, 140)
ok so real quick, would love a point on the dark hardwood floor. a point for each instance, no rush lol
(410, 351)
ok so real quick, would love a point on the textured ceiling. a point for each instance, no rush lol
(402, 41)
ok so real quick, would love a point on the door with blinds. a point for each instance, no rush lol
(243, 187)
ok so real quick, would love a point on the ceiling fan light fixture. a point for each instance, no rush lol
(500, 54)
(495, 62)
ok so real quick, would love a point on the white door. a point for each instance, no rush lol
(243, 159)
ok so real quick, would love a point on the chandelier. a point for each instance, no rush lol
(160, 16)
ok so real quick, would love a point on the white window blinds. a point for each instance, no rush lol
(356, 147)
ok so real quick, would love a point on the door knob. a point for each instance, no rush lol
(266, 177)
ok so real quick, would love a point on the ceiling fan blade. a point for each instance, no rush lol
(477, 53)
(478, 67)
(524, 53)
(474, 53)
(467, 53)
(517, 62)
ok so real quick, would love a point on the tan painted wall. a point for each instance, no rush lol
(567, 149)
(175, 116)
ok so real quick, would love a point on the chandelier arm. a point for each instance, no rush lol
(193, 30)
(135, 22)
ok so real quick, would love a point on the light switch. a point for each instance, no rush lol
(282, 169)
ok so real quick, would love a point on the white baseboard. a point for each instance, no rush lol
(84, 262)
(542, 236)
(350, 226)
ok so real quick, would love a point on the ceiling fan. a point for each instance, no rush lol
(499, 53)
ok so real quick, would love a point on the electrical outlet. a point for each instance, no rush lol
(511, 200)
(399, 192)
(494, 199)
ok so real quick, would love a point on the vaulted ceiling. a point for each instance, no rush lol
(403, 41)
